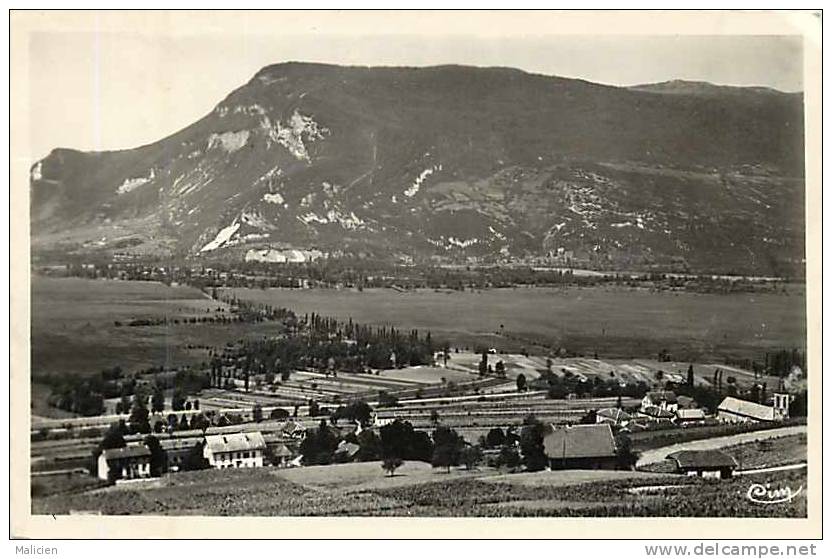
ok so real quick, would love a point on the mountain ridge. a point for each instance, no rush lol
(446, 162)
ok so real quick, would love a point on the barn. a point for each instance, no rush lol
(583, 447)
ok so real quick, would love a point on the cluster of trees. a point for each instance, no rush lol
(395, 443)
(560, 386)
(777, 363)
(326, 345)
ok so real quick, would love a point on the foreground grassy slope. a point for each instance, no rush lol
(417, 490)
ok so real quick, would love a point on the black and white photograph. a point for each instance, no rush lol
(320, 264)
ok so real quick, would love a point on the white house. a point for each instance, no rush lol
(129, 462)
(235, 450)
(663, 399)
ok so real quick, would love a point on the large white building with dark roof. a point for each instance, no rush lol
(734, 410)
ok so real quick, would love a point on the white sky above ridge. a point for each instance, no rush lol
(101, 91)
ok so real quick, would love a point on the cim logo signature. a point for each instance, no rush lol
(765, 495)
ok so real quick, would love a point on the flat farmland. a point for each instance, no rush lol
(74, 331)
(614, 322)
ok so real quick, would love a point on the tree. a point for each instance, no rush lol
(500, 369)
(484, 363)
(279, 413)
(195, 459)
(690, 375)
(139, 416)
(531, 445)
(521, 382)
(319, 445)
(447, 448)
(369, 446)
(157, 455)
(313, 408)
(391, 464)
(509, 457)
(178, 400)
(471, 456)
(399, 439)
(495, 438)
(257, 413)
(157, 403)
(625, 457)
(434, 417)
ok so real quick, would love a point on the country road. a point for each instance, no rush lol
(659, 454)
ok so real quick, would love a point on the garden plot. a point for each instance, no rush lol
(426, 375)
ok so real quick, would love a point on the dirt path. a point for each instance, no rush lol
(659, 454)
(771, 469)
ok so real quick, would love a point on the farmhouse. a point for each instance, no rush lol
(237, 450)
(129, 462)
(704, 463)
(613, 416)
(280, 456)
(293, 429)
(580, 447)
(734, 410)
(662, 399)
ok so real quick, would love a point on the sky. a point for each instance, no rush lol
(104, 90)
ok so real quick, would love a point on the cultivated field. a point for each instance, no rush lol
(417, 490)
(614, 322)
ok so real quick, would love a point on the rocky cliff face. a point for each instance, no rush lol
(450, 162)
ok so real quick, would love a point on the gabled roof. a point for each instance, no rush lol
(179, 443)
(692, 459)
(580, 441)
(616, 414)
(133, 451)
(690, 414)
(281, 451)
(234, 442)
(292, 427)
(747, 409)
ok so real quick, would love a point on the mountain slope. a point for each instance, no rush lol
(450, 162)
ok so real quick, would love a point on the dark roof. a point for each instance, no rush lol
(580, 441)
(657, 412)
(135, 451)
(694, 459)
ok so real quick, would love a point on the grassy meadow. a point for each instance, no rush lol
(363, 489)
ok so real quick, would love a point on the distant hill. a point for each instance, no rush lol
(450, 162)
(688, 87)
